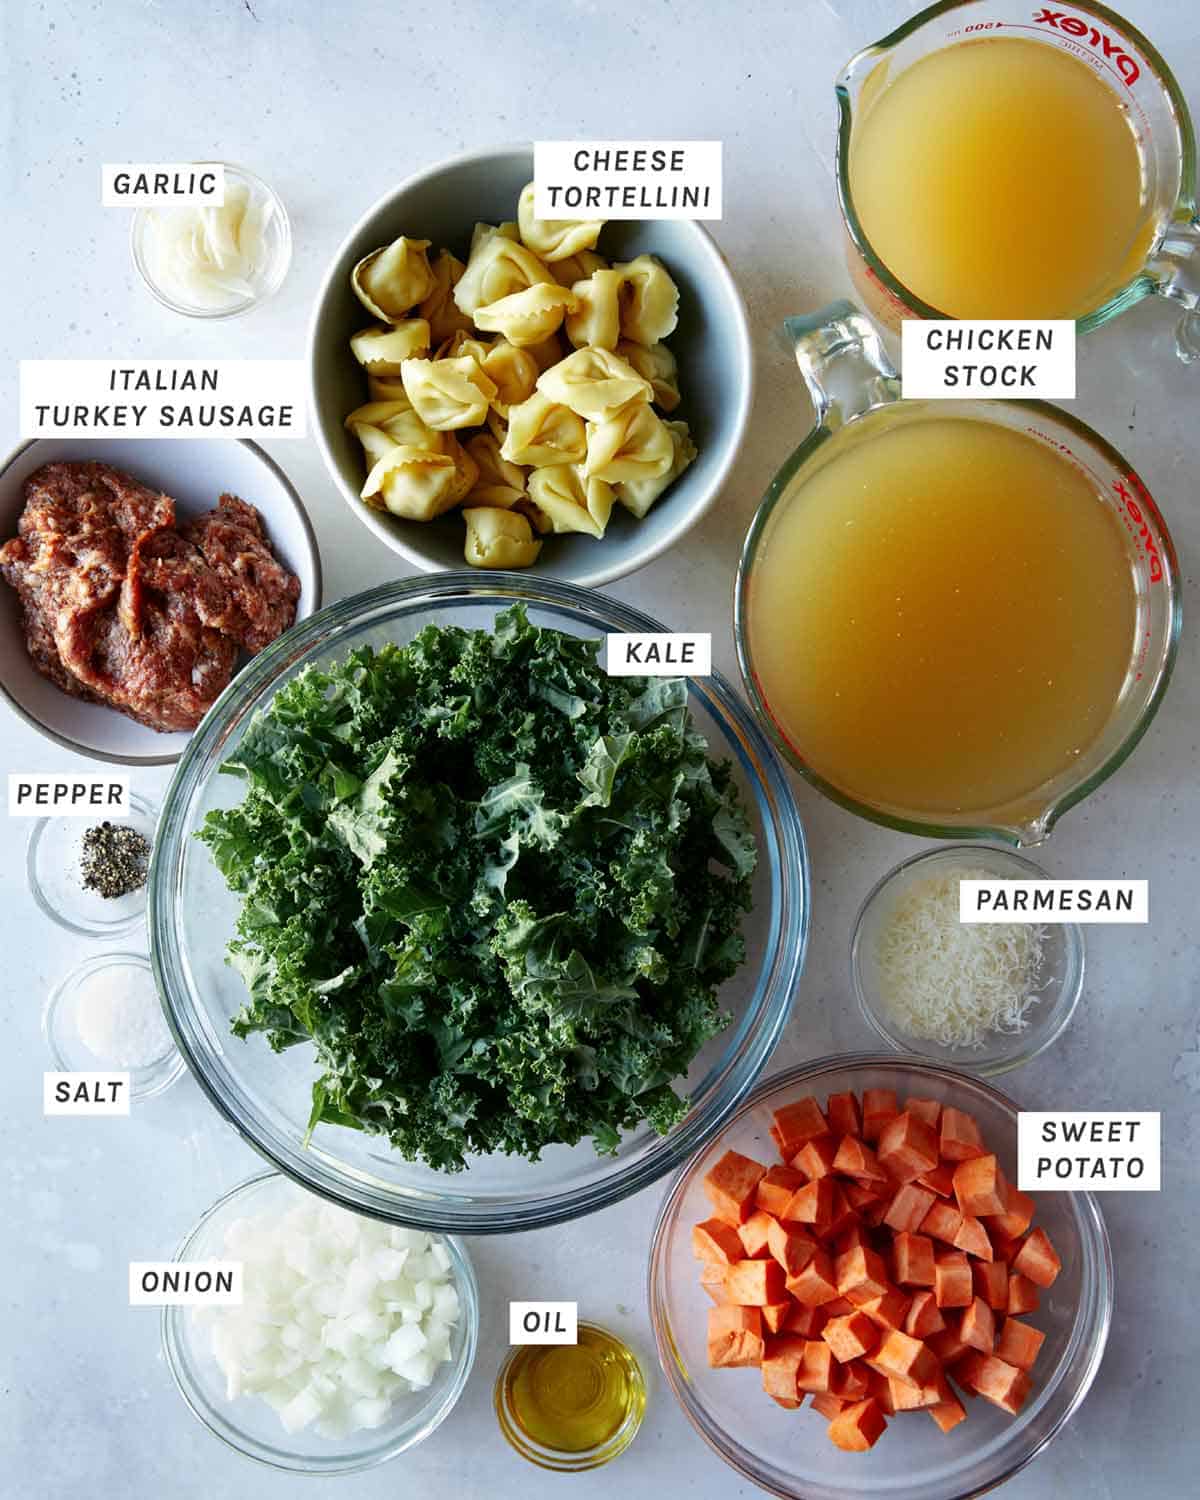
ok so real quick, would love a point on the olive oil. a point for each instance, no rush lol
(571, 1406)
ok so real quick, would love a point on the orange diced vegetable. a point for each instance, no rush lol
(973, 1238)
(996, 1381)
(851, 1239)
(850, 1337)
(714, 1240)
(753, 1235)
(978, 1327)
(948, 1414)
(806, 1321)
(841, 1110)
(908, 1208)
(712, 1279)
(791, 1246)
(859, 1427)
(827, 1405)
(1017, 1216)
(775, 1315)
(815, 1284)
(1019, 1344)
(780, 1365)
(878, 1107)
(863, 1271)
(979, 1186)
(947, 1346)
(908, 1146)
(811, 1204)
(912, 1259)
(861, 1196)
(816, 1366)
(879, 1386)
(755, 1283)
(1038, 1259)
(815, 1157)
(928, 1110)
(991, 1283)
(842, 1216)
(856, 1159)
(889, 1311)
(735, 1336)
(924, 1317)
(849, 1381)
(775, 1189)
(952, 1282)
(939, 1181)
(906, 1358)
(840, 1307)
(1023, 1296)
(730, 1186)
(796, 1123)
(960, 1137)
(942, 1222)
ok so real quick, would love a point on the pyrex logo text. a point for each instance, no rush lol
(1135, 515)
(1125, 65)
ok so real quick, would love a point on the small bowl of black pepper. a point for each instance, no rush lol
(91, 877)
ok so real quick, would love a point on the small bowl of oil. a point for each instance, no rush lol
(571, 1407)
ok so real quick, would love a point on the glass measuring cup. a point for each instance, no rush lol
(856, 395)
(1126, 62)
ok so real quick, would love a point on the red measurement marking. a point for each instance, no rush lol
(1134, 511)
(1126, 67)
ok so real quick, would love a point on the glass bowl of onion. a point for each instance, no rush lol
(982, 996)
(352, 1342)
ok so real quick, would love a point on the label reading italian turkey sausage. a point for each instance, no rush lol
(1094, 1151)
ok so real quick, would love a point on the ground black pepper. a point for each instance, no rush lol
(113, 859)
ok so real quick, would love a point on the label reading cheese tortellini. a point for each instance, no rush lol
(627, 179)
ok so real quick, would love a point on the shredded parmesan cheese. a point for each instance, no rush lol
(954, 982)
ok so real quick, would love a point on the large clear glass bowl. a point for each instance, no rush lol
(789, 1452)
(267, 1095)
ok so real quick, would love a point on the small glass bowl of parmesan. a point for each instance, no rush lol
(984, 996)
(215, 261)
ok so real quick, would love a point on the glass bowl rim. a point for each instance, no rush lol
(1062, 1009)
(179, 1361)
(779, 971)
(1094, 1240)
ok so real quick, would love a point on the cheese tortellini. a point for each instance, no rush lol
(546, 359)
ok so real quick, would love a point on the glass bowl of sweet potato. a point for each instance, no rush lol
(851, 1296)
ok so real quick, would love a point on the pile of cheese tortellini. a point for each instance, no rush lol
(549, 361)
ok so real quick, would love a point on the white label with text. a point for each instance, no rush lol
(163, 398)
(185, 1283)
(140, 184)
(1092, 1151)
(85, 1093)
(79, 794)
(1123, 901)
(627, 179)
(543, 1322)
(971, 357)
(676, 654)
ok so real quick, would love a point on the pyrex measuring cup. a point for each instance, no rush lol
(1124, 61)
(856, 395)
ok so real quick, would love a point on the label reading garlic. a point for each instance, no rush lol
(627, 179)
(130, 184)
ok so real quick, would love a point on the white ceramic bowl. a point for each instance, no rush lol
(195, 471)
(712, 344)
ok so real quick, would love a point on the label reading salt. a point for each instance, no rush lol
(185, 1283)
(163, 398)
(1121, 901)
(968, 357)
(674, 654)
(543, 1322)
(139, 184)
(1093, 1151)
(80, 794)
(85, 1093)
(627, 179)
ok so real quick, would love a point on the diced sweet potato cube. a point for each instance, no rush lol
(978, 1327)
(775, 1315)
(880, 1387)
(924, 1317)
(849, 1381)
(979, 1186)
(815, 1157)
(952, 1282)
(1023, 1295)
(856, 1159)
(806, 1321)
(907, 1147)
(912, 1259)
(991, 1283)
(889, 1311)
(753, 1235)
(928, 1110)
(811, 1204)
(792, 1246)
(942, 1222)
(730, 1186)
(850, 1337)
(908, 1208)
(851, 1239)
(788, 1403)
(1017, 1215)
(840, 1307)
(1019, 1344)
(755, 1283)
(859, 1427)
(796, 1123)
(716, 1241)
(827, 1405)
(960, 1138)
(948, 1414)
(841, 1216)
(843, 1115)
(1004, 1247)
(947, 1346)
(862, 1270)
(878, 1107)
(861, 1196)
(939, 1181)
(973, 1238)
(1038, 1259)
(906, 1358)
(815, 1284)
(781, 1363)
(995, 1380)
(905, 1395)
(775, 1189)
(735, 1336)
(712, 1279)
(815, 1372)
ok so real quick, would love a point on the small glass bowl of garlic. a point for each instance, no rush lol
(206, 261)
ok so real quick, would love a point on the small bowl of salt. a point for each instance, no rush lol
(105, 1015)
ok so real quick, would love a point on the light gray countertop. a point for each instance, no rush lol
(333, 105)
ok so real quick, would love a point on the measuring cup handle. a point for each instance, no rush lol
(1177, 270)
(843, 362)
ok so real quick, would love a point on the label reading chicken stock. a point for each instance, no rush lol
(627, 180)
(970, 357)
(162, 398)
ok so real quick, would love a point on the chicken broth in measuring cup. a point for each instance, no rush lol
(942, 616)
